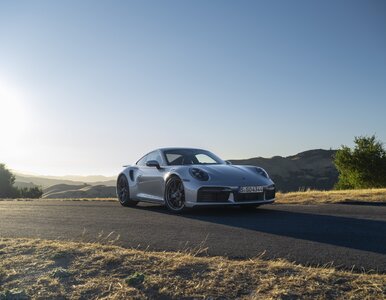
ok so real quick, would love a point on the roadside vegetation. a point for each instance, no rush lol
(41, 269)
(8, 190)
(362, 167)
(373, 196)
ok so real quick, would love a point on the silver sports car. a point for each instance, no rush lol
(182, 178)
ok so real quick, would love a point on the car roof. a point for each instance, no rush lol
(179, 148)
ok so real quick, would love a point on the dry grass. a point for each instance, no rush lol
(340, 196)
(55, 269)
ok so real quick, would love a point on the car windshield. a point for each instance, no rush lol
(178, 157)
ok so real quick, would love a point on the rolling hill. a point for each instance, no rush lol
(23, 180)
(70, 186)
(79, 191)
(313, 169)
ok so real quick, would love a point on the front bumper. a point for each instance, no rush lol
(229, 203)
(222, 196)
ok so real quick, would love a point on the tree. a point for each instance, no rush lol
(7, 190)
(364, 166)
(7, 179)
(31, 192)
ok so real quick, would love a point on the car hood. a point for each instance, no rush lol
(234, 175)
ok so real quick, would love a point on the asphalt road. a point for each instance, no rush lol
(346, 236)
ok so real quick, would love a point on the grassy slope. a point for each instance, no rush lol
(344, 196)
(50, 269)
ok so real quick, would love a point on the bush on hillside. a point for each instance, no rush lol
(30, 192)
(364, 166)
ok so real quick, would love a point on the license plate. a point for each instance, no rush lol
(251, 189)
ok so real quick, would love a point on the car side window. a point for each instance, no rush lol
(173, 159)
(142, 161)
(158, 158)
(154, 156)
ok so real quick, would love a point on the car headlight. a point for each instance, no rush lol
(199, 174)
(262, 172)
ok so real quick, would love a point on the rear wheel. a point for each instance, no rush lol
(123, 192)
(175, 195)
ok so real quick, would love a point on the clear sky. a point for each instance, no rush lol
(87, 86)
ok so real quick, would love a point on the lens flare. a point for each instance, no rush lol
(12, 117)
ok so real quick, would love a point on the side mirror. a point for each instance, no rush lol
(153, 163)
(228, 162)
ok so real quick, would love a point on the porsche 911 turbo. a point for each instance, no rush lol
(182, 178)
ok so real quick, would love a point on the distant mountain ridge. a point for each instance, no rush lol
(23, 180)
(313, 169)
(80, 178)
(95, 186)
(79, 191)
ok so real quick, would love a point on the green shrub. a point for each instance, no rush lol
(364, 166)
(135, 279)
(31, 192)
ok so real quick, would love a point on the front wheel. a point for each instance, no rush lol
(175, 195)
(123, 192)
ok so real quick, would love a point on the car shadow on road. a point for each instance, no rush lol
(361, 234)
(362, 203)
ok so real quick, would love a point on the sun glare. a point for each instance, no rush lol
(12, 117)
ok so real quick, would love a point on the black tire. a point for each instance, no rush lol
(175, 195)
(123, 192)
